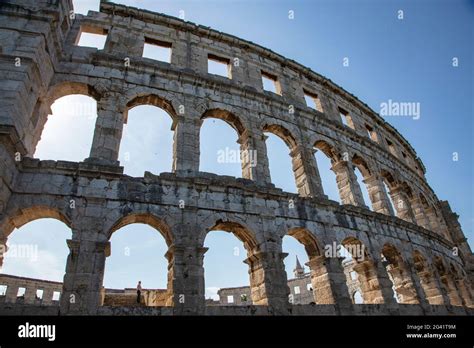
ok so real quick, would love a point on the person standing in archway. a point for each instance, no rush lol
(139, 291)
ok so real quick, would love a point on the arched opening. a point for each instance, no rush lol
(462, 285)
(286, 171)
(357, 297)
(68, 133)
(362, 172)
(36, 252)
(389, 182)
(431, 217)
(399, 275)
(224, 154)
(280, 164)
(325, 156)
(432, 292)
(301, 266)
(361, 271)
(139, 253)
(147, 138)
(227, 281)
(447, 282)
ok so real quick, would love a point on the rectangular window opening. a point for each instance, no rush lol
(56, 295)
(218, 66)
(39, 294)
(21, 292)
(92, 37)
(230, 299)
(346, 119)
(371, 133)
(297, 290)
(3, 290)
(391, 148)
(313, 101)
(157, 50)
(270, 83)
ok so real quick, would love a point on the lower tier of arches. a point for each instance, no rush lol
(390, 256)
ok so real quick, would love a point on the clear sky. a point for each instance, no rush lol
(403, 60)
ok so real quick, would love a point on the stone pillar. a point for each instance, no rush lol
(450, 289)
(330, 107)
(108, 130)
(84, 276)
(349, 189)
(268, 282)
(30, 295)
(464, 291)
(308, 181)
(441, 287)
(186, 149)
(402, 204)
(424, 280)
(10, 295)
(375, 284)
(419, 213)
(412, 290)
(431, 288)
(432, 219)
(186, 279)
(255, 162)
(47, 296)
(329, 282)
(402, 279)
(3, 250)
(378, 195)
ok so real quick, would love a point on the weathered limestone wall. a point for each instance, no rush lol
(52, 66)
(13, 283)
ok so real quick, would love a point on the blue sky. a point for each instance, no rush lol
(405, 60)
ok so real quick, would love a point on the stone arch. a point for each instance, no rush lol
(373, 287)
(325, 162)
(167, 298)
(296, 154)
(447, 281)
(42, 107)
(22, 216)
(283, 133)
(328, 149)
(400, 195)
(154, 100)
(143, 218)
(147, 98)
(462, 284)
(399, 274)
(388, 178)
(307, 239)
(341, 164)
(244, 138)
(242, 232)
(64, 88)
(322, 291)
(356, 295)
(262, 264)
(230, 118)
(356, 248)
(360, 163)
(366, 184)
(428, 281)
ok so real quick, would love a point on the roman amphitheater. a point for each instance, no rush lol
(417, 251)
